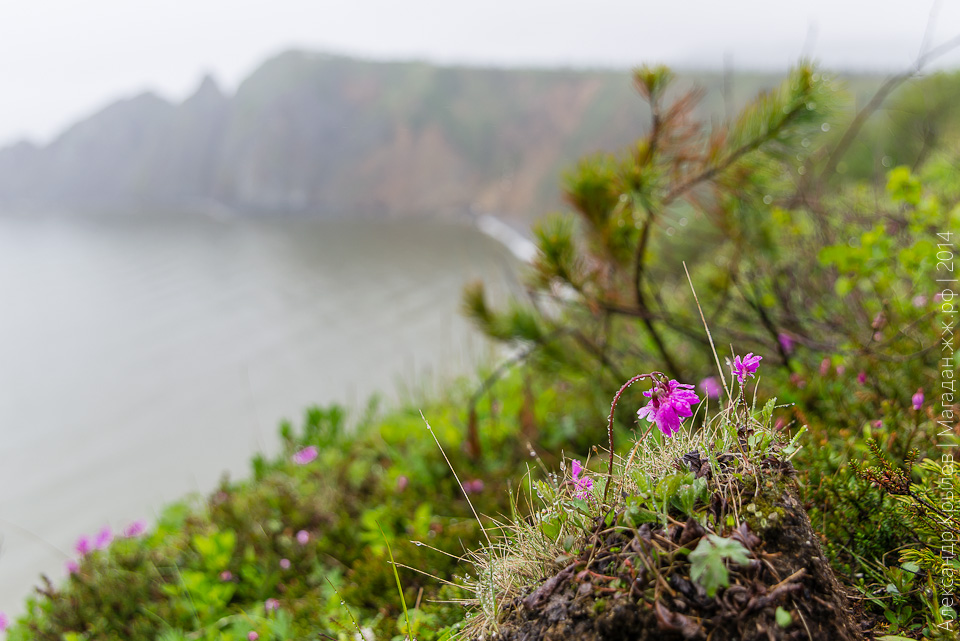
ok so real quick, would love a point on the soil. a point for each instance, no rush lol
(637, 587)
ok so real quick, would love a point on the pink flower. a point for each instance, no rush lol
(402, 482)
(136, 528)
(473, 487)
(4, 622)
(824, 367)
(104, 538)
(710, 387)
(840, 370)
(746, 368)
(918, 399)
(878, 423)
(83, 546)
(583, 484)
(285, 564)
(271, 605)
(919, 300)
(226, 575)
(798, 381)
(72, 566)
(305, 455)
(303, 537)
(669, 402)
(785, 342)
(252, 636)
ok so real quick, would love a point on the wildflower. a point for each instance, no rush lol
(136, 528)
(473, 487)
(104, 538)
(878, 423)
(271, 605)
(72, 566)
(824, 367)
(226, 575)
(710, 387)
(252, 636)
(862, 377)
(918, 399)
(785, 342)
(402, 482)
(919, 300)
(583, 484)
(840, 370)
(669, 402)
(747, 367)
(4, 622)
(304, 456)
(303, 537)
(83, 546)
(798, 381)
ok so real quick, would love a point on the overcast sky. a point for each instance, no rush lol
(64, 59)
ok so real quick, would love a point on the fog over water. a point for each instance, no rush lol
(141, 359)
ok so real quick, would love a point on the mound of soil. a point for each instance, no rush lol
(634, 583)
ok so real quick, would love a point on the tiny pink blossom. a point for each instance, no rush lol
(919, 300)
(918, 399)
(710, 387)
(669, 402)
(798, 381)
(303, 537)
(785, 342)
(878, 423)
(136, 528)
(271, 605)
(862, 377)
(840, 370)
(746, 367)
(583, 484)
(4, 622)
(304, 456)
(285, 564)
(938, 297)
(824, 367)
(72, 566)
(252, 636)
(402, 482)
(226, 575)
(474, 486)
(104, 538)
(83, 546)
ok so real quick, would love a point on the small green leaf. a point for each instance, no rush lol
(707, 561)
(784, 620)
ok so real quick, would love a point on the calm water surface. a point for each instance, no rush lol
(141, 359)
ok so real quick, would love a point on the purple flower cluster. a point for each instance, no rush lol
(85, 545)
(669, 402)
(746, 367)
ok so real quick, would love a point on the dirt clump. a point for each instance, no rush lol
(634, 582)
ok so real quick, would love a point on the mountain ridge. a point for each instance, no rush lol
(332, 136)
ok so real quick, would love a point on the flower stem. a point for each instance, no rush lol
(613, 406)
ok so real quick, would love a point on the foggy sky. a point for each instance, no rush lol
(61, 59)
